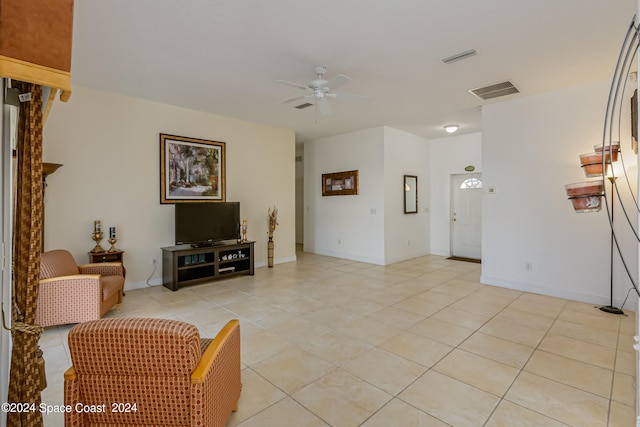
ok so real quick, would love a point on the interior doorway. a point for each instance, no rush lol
(299, 211)
(466, 216)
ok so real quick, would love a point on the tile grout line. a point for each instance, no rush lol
(503, 397)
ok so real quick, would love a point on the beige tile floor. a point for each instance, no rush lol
(331, 342)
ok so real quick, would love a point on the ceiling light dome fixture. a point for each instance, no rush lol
(451, 128)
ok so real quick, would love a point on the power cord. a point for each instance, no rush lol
(627, 297)
(155, 264)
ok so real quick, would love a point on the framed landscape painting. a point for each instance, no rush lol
(191, 170)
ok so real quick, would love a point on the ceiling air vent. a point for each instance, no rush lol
(305, 105)
(495, 91)
(459, 56)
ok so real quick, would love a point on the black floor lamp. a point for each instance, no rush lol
(610, 308)
(47, 169)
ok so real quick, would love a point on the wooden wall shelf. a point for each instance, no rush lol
(35, 43)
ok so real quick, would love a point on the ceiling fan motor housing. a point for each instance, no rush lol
(318, 83)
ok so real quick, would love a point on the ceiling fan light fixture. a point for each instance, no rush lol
(451, 128)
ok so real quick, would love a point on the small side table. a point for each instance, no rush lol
(116, 256)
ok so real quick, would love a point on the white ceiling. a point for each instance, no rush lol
(224, 56)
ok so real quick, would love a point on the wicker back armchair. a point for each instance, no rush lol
(154, 372)
(71, 293)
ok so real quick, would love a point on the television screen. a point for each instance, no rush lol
(206, 223)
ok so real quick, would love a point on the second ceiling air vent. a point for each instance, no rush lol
(305, 105)
(459, 56)
(495, 91)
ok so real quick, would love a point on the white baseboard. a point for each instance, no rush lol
(394, 260)
(559, 293)
(344, 255)
(157, 281)
(441, 252)
(276, 261)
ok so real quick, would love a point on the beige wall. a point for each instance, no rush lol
(109, 145)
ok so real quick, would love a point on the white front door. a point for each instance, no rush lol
(466, 215)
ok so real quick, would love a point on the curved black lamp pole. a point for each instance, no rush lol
(610, 308)
(47, 169)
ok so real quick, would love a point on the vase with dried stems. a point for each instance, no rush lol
(273, 223)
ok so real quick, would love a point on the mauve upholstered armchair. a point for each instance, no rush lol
(152, 372)
(71, 293)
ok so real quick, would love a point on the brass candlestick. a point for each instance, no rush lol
(244, 231)
(97, 237)
(112, 241)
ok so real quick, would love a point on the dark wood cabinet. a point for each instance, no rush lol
(185, 265)
(116, 256)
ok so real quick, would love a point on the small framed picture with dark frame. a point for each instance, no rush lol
(340, 183)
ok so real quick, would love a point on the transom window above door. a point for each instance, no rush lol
(470, 183)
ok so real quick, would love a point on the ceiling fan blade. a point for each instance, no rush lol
(296, 98)
(298, 85)
(323, 106)
(337, 81)
(353, 97)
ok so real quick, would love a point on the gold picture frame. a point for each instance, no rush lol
(191, 170)
(340, 183)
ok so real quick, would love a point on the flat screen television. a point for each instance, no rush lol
(202, 224)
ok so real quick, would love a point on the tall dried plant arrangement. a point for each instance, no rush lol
(273, 221)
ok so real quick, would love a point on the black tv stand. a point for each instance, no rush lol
(187, 264)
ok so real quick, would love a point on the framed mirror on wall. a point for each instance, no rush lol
(410, 194)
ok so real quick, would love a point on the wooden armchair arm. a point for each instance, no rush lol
(217, 346)
(70, 374)
(66, 279)
(215, 382)
(72, 397)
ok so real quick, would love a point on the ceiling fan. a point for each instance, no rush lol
(321, 89)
